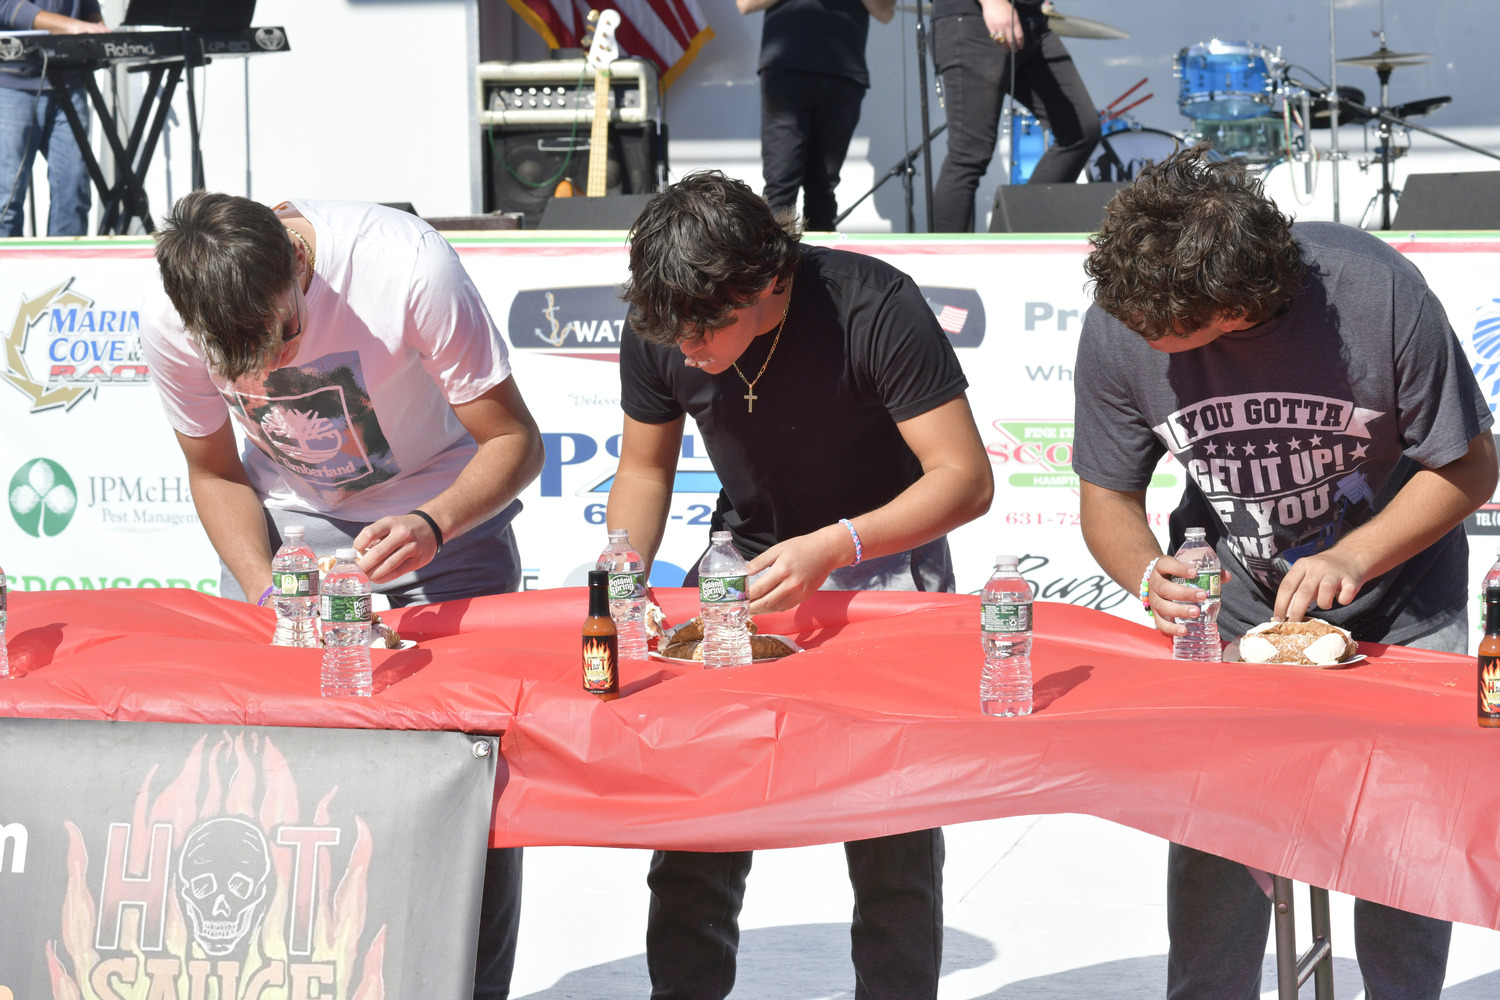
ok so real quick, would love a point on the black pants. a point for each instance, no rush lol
(499, 923)
(976, 77)
(693, 931)
(806, 122)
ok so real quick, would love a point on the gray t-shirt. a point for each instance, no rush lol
(1296, 432)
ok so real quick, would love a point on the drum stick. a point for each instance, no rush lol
(1117, 100)
(1116, 114)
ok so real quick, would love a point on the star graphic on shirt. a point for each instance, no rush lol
(1248, 449)
(1294, 444)
(1316, 440)
(1229, 449)
(1271, 447)
(1211, 449)
(1360, 451)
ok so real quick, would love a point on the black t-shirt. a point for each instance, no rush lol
(817, 36)
(861, 351)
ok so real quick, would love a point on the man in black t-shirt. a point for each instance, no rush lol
(812, 81)
(832, 407)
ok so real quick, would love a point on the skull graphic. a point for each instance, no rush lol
(222, 877)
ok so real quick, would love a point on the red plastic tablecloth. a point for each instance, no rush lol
(1373, 780)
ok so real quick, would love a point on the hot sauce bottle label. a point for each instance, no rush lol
(600, 664)
(1489, 687)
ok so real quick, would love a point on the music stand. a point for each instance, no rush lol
(204, 15)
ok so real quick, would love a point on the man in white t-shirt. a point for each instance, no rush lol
(375, 397)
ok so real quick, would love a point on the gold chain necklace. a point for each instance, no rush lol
(750, 397)
(312, 258)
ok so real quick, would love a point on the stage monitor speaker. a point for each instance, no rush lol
(1050, 208)
(1449, 201)
(614, 211)
(524, 164)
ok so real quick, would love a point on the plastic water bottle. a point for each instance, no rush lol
(346, 629)
(1005, 633)
(627, 593)
(1202, 639)
(723, 600)
(294, 574)
(4, 657)
(1491, 579)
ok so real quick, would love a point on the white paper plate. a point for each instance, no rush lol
(405, 644)
(1232, 655)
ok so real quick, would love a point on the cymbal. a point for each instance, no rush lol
(1080, 27)
(1425, 106)
(1384, 59)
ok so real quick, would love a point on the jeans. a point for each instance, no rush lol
(806, 122)
(896, 938)
(976, 76)
(29, 125)
(1218, 919)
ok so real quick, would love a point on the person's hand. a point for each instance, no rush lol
(788, 573)
(403, 543)
(1318, 580)
(1171, 600)
(62, 24)
(1003, 24)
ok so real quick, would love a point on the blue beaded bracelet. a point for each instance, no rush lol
(859, 549)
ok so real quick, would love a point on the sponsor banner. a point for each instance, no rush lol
(82, 422)
(254, 863)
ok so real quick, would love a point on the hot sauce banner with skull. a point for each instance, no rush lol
(142, 860)
(97, 497)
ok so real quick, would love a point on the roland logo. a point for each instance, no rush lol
(126, 50)
(13, 838)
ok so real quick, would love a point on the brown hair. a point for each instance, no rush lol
(703, 248)
(1191, 241)
(225, 263)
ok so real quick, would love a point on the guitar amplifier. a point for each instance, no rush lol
(561, 92)
(535, 123)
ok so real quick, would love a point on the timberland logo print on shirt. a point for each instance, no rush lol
(1281, 469)
(317, 423)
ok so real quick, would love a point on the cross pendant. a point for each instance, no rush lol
(750, 398)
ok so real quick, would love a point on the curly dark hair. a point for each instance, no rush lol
(1191, 241)
(226, 262)
(706, 246)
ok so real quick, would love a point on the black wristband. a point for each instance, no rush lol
(436, 531)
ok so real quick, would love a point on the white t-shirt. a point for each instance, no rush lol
(360, 424)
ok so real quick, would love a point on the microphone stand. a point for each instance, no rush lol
(906, 166)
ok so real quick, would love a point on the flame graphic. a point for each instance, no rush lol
(259, 789)
(1489, 687)
(598, 664)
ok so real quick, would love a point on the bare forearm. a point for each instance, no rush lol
(751, 6)
(639, 502)
(883, 11)
(235, 523)
(1117, 533)
(501, 468)
(943, 499)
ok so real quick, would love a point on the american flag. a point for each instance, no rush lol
(952, 319)
(667, 32)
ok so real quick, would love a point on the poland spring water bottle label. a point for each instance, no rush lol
(1207, 581)
(623, 586)
(303, 584)
(1005, 616)
(346, 609)
(721, 589)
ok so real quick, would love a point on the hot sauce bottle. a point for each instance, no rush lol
(1489, 661)
(601, 654)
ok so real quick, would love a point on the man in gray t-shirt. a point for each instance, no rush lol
(1334, 439)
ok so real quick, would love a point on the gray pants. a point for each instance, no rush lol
(483, 560)
(1218, 919)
